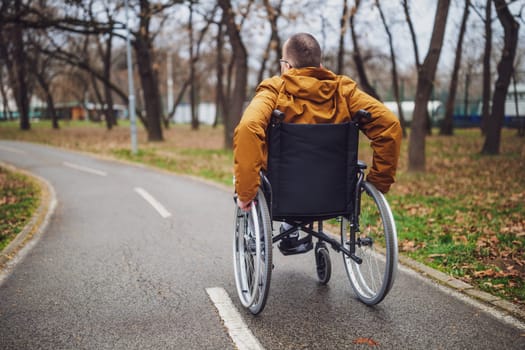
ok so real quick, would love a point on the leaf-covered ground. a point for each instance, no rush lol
(465, 215)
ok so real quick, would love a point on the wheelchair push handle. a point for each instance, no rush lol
(277, 116)
(361, 116)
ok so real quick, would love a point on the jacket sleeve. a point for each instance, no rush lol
(384, 131)
(249, 140)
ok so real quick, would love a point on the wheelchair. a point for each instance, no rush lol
(313, 175)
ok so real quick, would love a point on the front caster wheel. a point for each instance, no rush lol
(323, 263)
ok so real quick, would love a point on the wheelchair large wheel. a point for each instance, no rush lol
(376, 245)
(252, 254)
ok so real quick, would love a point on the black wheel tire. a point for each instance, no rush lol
(323, 264)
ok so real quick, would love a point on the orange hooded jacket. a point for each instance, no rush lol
(312, 95)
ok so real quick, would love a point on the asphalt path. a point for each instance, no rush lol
(130, 254)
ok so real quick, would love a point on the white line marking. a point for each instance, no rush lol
(241, 335)
(154, 203)
(85, 169)
(13, 150)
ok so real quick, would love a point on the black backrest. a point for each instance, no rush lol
(312, 169)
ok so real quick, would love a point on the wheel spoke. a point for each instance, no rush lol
(373, 278)
(252, 255)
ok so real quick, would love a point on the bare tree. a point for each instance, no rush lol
(358, 58)
(521, 125)
(485, 114)
(342, 34)
(193, 78)
(395, 80)
(505, 71)
(143, 44)
(105, 52)
(7, 113)
(7, 68)
(193, 81)
(13, 54)
(41, 67)
(79, 62)
(240, 56)
(447, 123)
(221, 108)
(412, 33)
(274, 44)
(427, 71)
(408, 18)
(74, 18)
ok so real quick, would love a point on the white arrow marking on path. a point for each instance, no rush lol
(241, 335)
(85, 169)
(154, 203)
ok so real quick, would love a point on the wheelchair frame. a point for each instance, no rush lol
(307, 226)
(253, 261)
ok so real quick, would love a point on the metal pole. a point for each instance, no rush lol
(131, 88)
(170, 84)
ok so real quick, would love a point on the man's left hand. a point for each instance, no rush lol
(245, 206)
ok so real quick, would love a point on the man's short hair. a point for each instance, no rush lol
(303, 50)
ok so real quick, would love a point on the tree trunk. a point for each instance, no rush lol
(105, 52)
(6, 61)
(274, 44)
(22, 95)
(98, 96)
(148, 75)
(485, 114)
(111, 119)
(5, 99)
(49, 98)
(427, 71)
(238, 96)
(219, 99)
(520, 120)
(358, 58)
(193, 81)
(412, 33)
(395, 83)
(427, 123)
(466, 99)
(447, 127)
(150, 89)
(342, 32)
(51, 110)
(505, 70)
(19, 81)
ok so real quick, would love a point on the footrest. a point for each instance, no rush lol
(302, 246)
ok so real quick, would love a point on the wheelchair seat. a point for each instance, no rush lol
(312, 170)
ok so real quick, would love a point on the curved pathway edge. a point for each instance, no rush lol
(30, 234)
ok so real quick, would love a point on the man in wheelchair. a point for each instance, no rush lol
(308, 93)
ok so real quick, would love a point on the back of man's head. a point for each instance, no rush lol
(303, 50)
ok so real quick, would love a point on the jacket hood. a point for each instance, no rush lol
(314, 84)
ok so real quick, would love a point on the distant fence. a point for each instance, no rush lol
(206, 113)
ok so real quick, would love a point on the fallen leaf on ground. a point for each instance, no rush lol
(367, 341)
(484, 273)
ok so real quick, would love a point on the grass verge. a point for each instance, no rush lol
(19, 198)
